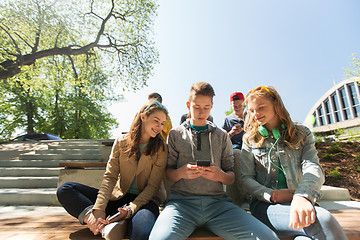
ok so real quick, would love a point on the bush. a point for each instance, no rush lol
(357, 159)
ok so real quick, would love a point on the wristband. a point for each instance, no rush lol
(129, 212)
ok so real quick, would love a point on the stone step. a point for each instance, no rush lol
(28, 182)
(60, 157)
(60, 147)
(334, 193)
(37, 163)
(70, 151)
(28, 171)
(28, 197)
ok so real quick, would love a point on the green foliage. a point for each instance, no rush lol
(229, 112)
(335, 148)
(357, 158)
(358, 169)
(327, 156)
(354, 71)
(71, 56)
(335, 173)
(116, 32)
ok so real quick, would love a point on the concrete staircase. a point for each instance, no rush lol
(32, 177)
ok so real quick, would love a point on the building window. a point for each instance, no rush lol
(335, 101)
(345, 104)
(321, 116)
(329, 116)
(354, 99)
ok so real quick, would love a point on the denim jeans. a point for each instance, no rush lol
(277, 217)
(76, 198)
(182, 214)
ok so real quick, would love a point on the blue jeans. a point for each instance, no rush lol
(277, 217)
(77, 198)
(182, 214)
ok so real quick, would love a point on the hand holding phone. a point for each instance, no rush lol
(203, 163)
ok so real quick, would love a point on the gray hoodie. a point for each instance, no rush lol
(188, 145)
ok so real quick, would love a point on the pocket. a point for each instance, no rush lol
(260, 155)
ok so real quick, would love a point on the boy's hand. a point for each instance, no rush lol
(213, 172)
(189, 171)
(302, 213)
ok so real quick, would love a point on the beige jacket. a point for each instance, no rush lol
(121, 170)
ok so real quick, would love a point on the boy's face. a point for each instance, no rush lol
(200, 109)
(237, 105)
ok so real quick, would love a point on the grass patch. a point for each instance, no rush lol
(328, 156)
(335, 173)
(335, 148)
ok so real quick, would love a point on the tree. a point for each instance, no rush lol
(116, 31)
(354, 71)
(61, 60)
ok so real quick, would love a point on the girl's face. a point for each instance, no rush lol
(200, 108)
(263, 111)
(152, 124)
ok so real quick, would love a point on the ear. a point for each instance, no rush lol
(142, 116)
(212, 104)
(188, 105)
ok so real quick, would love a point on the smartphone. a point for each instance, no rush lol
(116, 214)
(203, 163)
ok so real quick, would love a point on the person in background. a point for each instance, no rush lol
(280, 169)
(234, 122)
(132, 184)
(168, 126)
(199, 163)
(233, 125)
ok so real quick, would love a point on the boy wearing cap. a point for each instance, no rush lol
(233, 123)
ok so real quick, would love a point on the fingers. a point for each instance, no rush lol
(301, 219)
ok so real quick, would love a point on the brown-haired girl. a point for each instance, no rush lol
(197, 196)
(131, 183)
(281, 170)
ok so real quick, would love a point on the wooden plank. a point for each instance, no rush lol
(82, 164)
(66, 227)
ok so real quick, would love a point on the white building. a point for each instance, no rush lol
(338, 108)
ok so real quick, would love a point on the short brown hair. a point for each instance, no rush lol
(156, 96)
(201, 88)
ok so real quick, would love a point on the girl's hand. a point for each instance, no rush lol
(92, 221)
(302, 213)
(123, 213)
(189, 171)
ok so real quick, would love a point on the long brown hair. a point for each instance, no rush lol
(134, 136)
(200, 88)
(293, 136)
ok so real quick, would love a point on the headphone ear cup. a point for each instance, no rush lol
(263, 132)
(276, 133)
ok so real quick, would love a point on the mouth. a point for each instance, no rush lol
(259, 119)
(155, 131)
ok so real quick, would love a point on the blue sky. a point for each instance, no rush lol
(299, 47)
